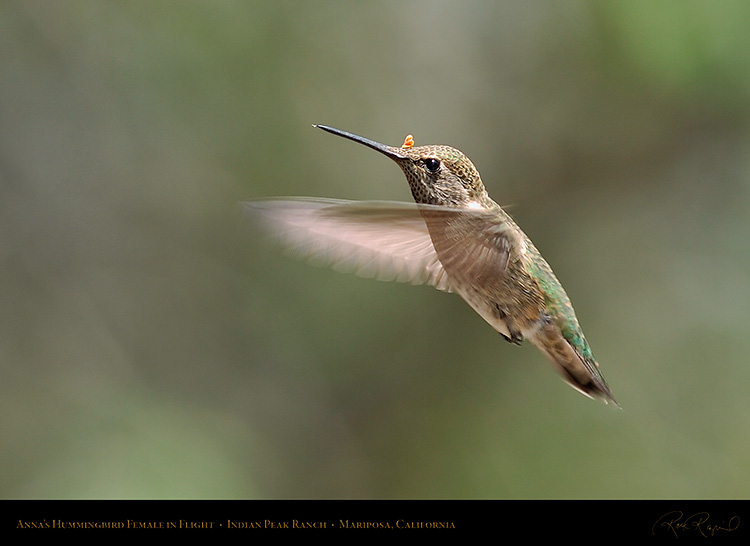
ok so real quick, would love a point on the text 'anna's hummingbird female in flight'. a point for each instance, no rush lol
(455, 238)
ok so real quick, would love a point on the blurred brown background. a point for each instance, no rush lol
(153, 345)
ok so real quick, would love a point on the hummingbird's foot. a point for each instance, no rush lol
(516, 338)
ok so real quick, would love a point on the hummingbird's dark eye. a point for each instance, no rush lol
(432, 164)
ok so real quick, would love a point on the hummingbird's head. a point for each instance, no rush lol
(437, 175)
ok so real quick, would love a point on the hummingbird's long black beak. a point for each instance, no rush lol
(390, 151)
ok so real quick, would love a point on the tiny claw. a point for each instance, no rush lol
(408, 142)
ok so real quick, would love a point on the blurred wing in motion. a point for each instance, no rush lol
(388, 241)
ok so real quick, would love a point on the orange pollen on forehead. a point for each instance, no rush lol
(408, 142)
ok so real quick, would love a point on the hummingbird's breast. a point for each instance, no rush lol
(486, 256)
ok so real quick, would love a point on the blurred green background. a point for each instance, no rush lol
(154, 345)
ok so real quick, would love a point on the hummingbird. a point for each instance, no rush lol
(455, 238)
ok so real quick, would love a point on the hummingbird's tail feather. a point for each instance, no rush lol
(580, 373)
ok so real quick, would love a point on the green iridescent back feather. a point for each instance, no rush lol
(558, 303)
